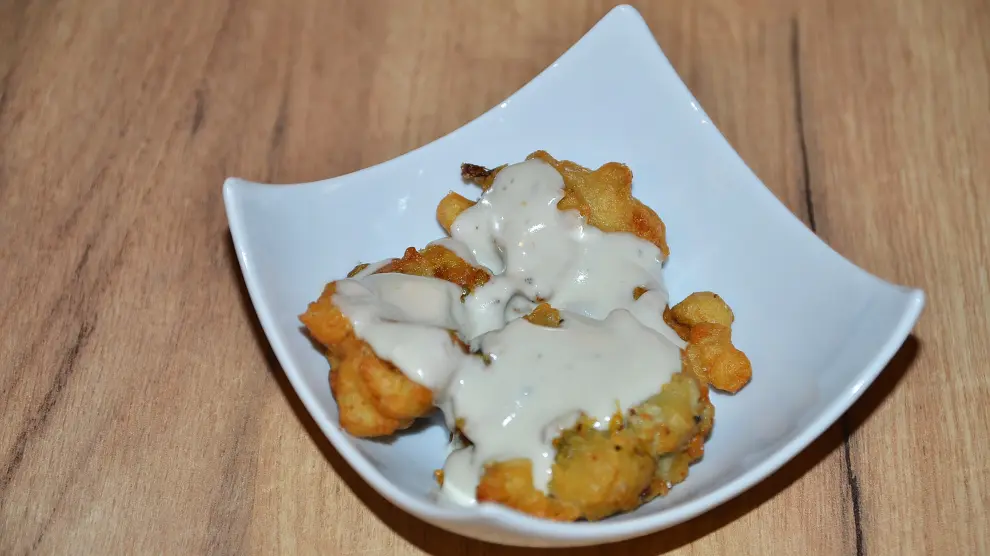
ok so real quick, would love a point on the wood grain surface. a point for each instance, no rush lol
(142, 410)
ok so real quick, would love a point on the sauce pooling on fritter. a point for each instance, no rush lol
(539, 252)
(522, 383)
(406, 319)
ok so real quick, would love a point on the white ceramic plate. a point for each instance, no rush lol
(817, 328)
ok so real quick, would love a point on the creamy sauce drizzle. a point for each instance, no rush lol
(610, 352)
(405, 319)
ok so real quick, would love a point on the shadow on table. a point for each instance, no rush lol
(439, 542)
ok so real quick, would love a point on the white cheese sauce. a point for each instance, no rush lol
(406, 320)
(611, 351)
(541, 379)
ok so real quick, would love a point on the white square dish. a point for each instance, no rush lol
(817, 329)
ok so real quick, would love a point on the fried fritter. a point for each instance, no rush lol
(373, 396)
(597, 472)
(711, 356)
(600, 473)
(703, 320)
(450, 207)
(674, 425)
(510, 483)
(667, 421)
(702, 307)
(437, 261)
(603, 197)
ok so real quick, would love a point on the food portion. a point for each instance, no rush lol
(541, 328)
(602, 197)
(598, 472)
(373, 396)
(704, 321)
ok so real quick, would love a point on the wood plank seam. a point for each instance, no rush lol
(851, 480)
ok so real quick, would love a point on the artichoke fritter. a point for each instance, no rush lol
(598, 473)
(373, 396)
(603, 197)
(704, 320)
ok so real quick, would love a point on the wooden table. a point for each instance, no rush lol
(142, 410)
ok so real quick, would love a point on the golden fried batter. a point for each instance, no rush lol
(450, 207)
(703, 320)
(711, 355)
(702, 307)
(373, 396)
(674, 425)
(437, 261)
(603, 197)
(600, 473)
(510, 483)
